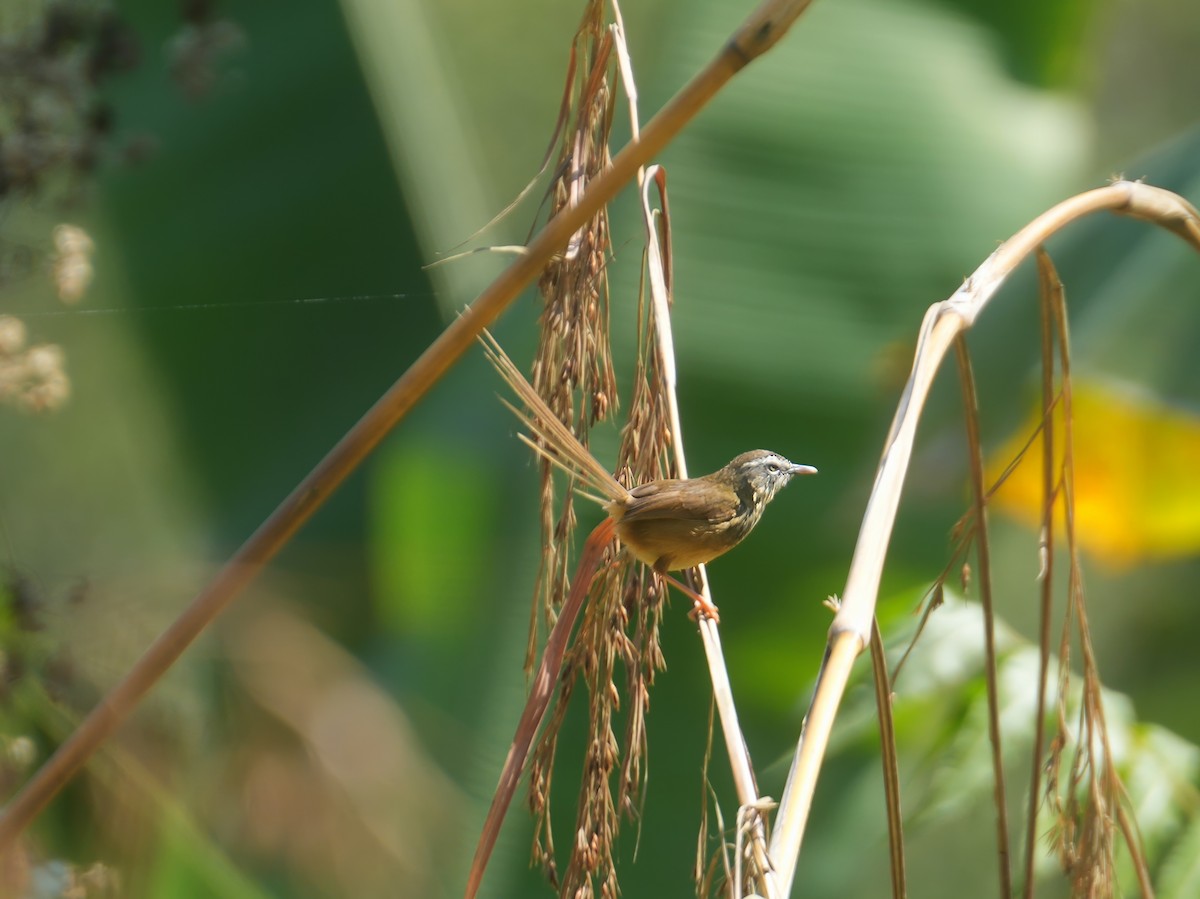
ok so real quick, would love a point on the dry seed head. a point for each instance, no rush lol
(33, 379)
(44, 360)
(12, 335)
(21, 752)
(573, 373)
(73, 262)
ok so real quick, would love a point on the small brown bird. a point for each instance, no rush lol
(669, 524)
(673, 524)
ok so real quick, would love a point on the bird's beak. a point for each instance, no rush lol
(802, 469)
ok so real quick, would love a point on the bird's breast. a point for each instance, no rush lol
(673, 544)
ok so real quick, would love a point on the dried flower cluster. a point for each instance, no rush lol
(620, 625)
(574, 352)
(621, 618)
(196, 51)
(32, 378)
(51, 123)
(72, 262)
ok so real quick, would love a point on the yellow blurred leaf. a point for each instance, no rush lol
(1137, 474)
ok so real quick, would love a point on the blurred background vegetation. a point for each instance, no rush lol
(263, 190)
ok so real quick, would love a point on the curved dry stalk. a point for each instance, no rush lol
(764, 28)
(942, 324)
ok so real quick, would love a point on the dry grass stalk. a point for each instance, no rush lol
(603, 637)
(621, 619)
(850, 633)
(574, 356)
(1088, 808)
(620, 625)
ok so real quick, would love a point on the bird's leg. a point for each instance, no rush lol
(539, 698)
(702, 607)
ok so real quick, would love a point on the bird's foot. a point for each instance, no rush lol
(702, 606)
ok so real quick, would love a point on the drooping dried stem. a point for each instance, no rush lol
(1050, 290)
(1091, 813)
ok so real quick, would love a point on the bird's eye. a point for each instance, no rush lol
(774, 467)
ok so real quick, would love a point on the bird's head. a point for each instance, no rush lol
(759, 474)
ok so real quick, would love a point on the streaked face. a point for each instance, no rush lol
(766, 473)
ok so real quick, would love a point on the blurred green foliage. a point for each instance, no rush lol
(265, 265)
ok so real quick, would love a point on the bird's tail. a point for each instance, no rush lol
(551, 439)
(540, 694)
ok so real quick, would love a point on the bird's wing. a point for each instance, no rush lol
(668, 499)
